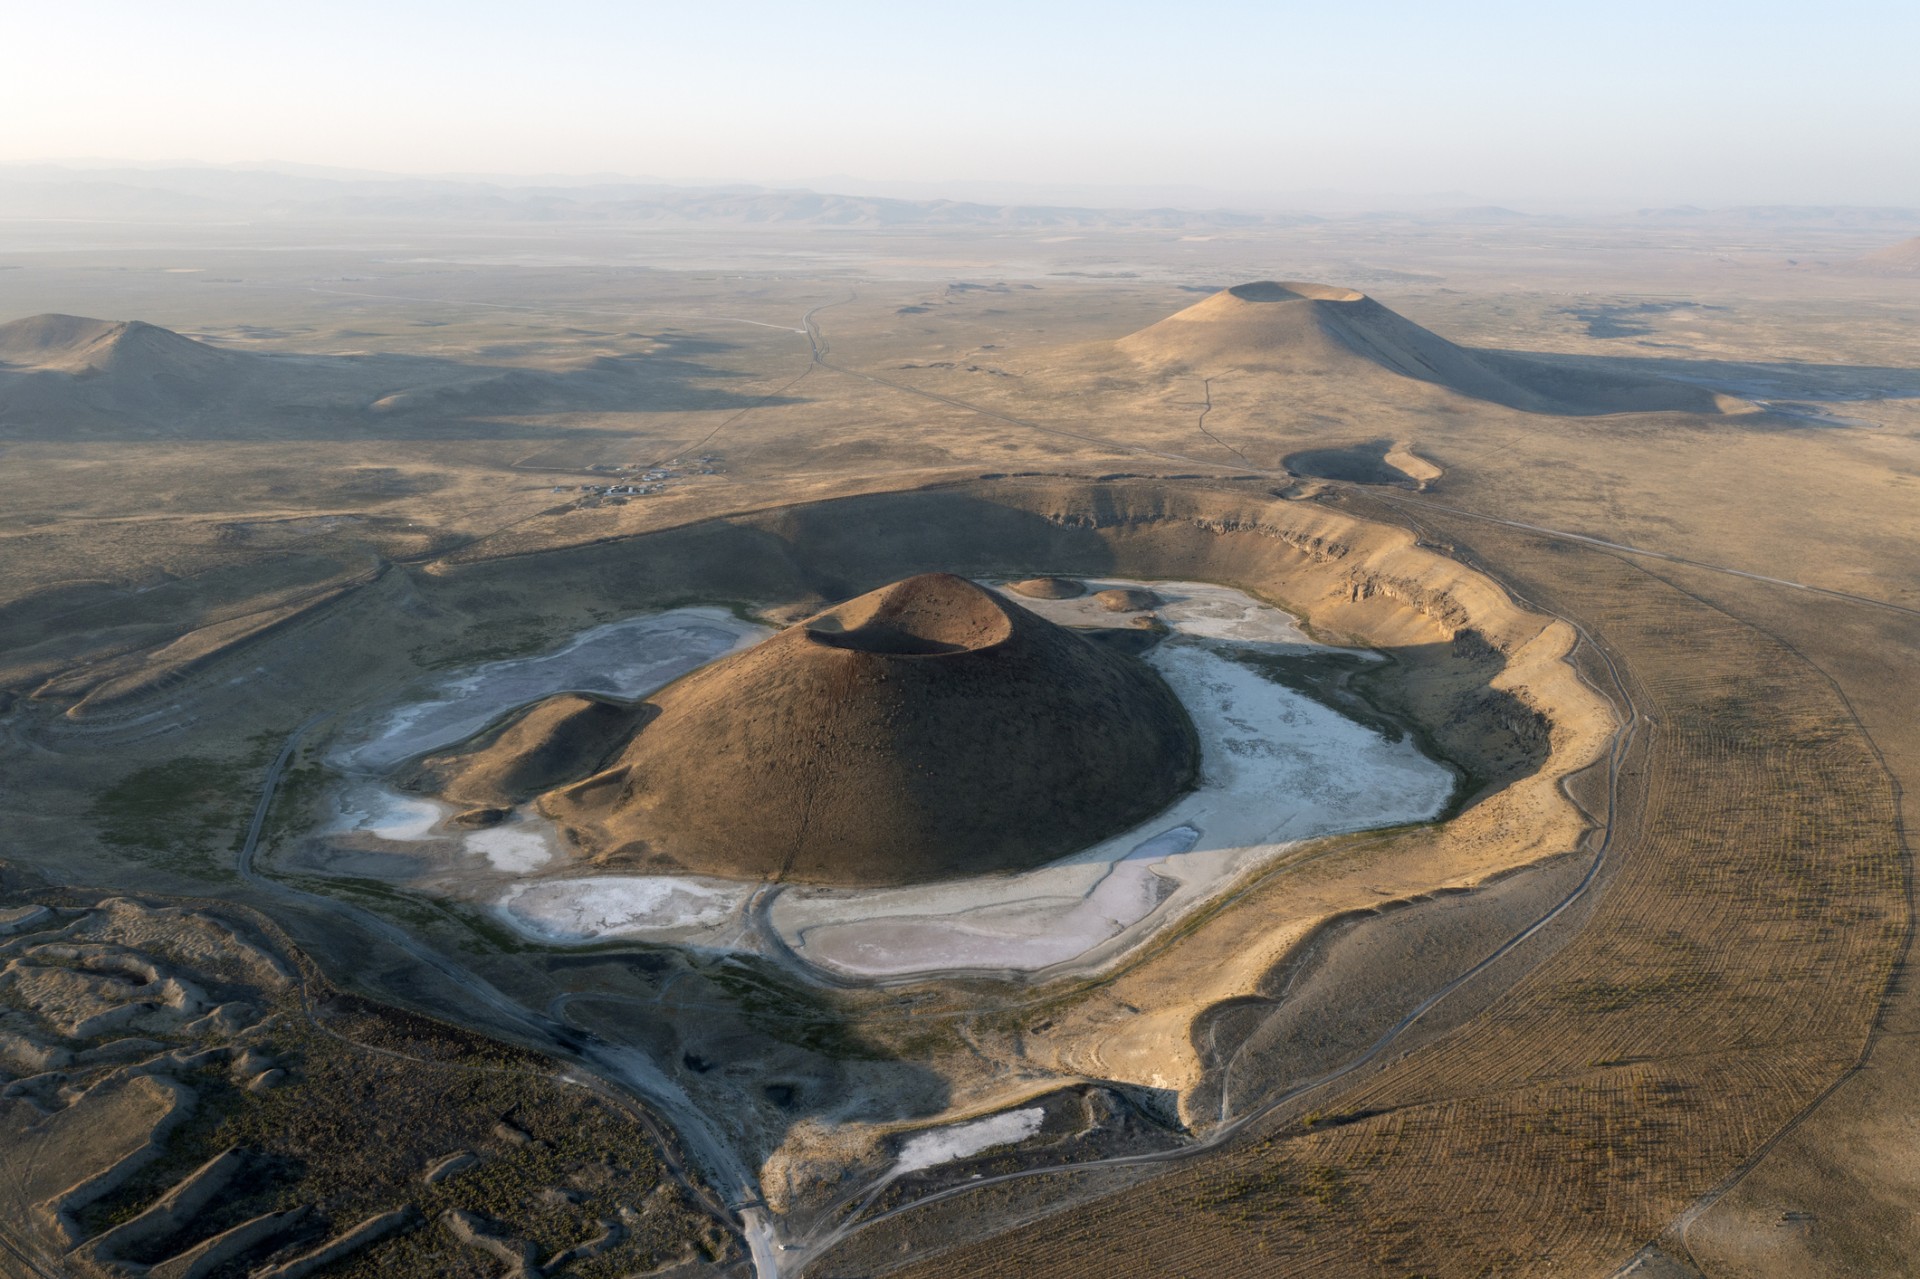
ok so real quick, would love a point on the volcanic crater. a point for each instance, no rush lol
(927, 730)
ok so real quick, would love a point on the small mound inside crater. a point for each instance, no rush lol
(1127, 599)
(927, 730)
(1049, 588)
(556, 741)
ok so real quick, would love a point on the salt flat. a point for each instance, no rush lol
(1278, 769)
(626, 658)
(944, 1145)
(602, 906)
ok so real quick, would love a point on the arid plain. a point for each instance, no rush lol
(1617, 521)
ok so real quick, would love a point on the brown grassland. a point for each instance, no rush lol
(1634, 510)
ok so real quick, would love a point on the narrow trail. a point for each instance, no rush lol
(1201, 425)
(36, 1263)
(769, 397)
(1679, 1231)
(1624, 549)
(617, 1070)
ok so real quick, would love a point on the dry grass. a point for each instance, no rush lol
(1730, 970)
(1727, 968)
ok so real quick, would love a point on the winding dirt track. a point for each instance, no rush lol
(1415, 509)
(621, 1073)
(808, 1249)
(614, 1069)
(625, 1071)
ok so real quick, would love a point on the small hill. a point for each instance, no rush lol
(1317, 330)
(126, 349)
(514, 391)
(927, 730)
(1898, 259)
(1127, 599)
(557, 741)
(69, 372)
(1048, 588)
(66, 374)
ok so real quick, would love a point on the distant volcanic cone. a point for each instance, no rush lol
(126, 349)
(1899, 259)
(1343, 338)
(61, 373)
(926, 730)
(1314, 329)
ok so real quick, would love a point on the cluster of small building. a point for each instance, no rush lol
(638, 481)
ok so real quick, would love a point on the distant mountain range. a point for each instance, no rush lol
(303, 193)
(50, 191)
(1899, 259)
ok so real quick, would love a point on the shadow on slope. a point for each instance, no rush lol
(1325, 332)
(1364, 463)
(1762, 380)
(64, 375)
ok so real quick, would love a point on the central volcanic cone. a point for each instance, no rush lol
(923, 731)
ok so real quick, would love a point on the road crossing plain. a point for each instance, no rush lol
(1641, 994)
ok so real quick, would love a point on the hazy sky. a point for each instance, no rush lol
(1545, 101)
